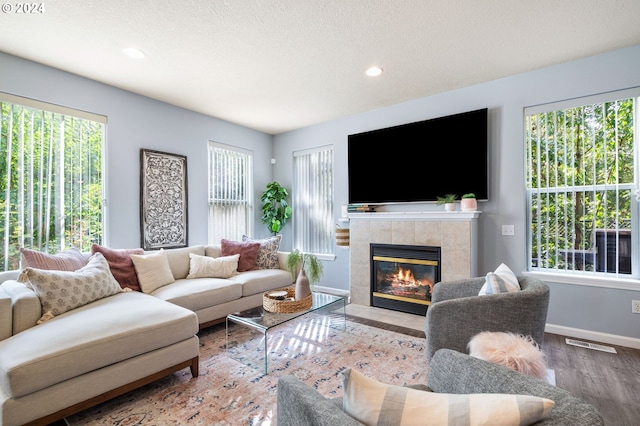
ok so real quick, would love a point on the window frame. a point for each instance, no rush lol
(298, 195)
(595, 279)
(249, 219)
(58, 112)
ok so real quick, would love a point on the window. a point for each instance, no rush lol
(313, 200)
(51, 194)
(581, 176)
(230, 192)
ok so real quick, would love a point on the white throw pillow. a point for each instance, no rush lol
(153, 270)
(62, 291)
(374, 403)
(212, 267)
(502, 280)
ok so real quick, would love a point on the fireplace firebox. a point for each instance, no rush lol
(402, 276)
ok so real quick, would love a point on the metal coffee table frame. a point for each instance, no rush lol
(331, 306)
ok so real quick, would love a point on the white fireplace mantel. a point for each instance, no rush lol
(431, 215)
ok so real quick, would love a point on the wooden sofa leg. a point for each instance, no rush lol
(195, 366)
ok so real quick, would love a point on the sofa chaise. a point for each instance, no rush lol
(94, 352)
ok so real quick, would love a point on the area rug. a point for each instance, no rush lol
(229, 392)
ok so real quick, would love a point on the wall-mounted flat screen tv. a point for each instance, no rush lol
(421, 161)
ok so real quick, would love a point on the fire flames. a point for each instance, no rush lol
(404, 282)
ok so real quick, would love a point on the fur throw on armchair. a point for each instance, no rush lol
(515, 351)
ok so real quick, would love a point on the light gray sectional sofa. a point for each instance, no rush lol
(450, 372)
(112, 345)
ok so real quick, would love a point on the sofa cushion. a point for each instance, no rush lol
(268, 253)
(261, 280)
(372, 403)
(62, 291)
(248, 252)
(179, 260)
(210, 267)
(67, 260)
(200, 293)
(502, 280)
(93, 336)
(121, 265)
(153, 270)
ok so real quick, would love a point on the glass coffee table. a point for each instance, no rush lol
(249, 343)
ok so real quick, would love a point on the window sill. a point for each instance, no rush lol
(608, 281)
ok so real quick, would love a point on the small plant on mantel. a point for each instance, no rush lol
(449, 202)
(447, 199)
(468, 202)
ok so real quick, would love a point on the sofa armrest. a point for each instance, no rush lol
(26, 306)
(6, 315)
(446, 290)
(299, 404)
(455, 372)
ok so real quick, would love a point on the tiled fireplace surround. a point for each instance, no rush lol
(454, 232)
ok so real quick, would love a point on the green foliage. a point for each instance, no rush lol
(51, 185)
(469, 195)
(297, 260)
(449, 198)
(576, 150)
(275, 209)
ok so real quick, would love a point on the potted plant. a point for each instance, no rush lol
(275, 209)
(468, 203)
(308, 268)
(449, 202)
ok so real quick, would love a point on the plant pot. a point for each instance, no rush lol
(468, 205)
(450, 207)
(303, 289)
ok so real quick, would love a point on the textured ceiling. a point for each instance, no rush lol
(279, 65)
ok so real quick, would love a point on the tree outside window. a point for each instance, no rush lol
(51, 191)
(580, 187)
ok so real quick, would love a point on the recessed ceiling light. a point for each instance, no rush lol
(132, 52)
(374, 71)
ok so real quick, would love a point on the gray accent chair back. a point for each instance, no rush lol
(457, 313)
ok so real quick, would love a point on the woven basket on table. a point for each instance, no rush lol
(285, 306)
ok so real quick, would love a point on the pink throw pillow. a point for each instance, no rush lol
(248, 252)
(121, 265)
(67, 260)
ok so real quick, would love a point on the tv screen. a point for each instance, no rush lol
(421, 161)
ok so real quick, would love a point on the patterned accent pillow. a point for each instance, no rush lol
(248, 252)
(67, 260)
(212, 267)
(121, 265)
(62, 291)
(503, 280)
(268, 253)
(153, 270)
(374, 403)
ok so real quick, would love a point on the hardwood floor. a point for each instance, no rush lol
(610, 382)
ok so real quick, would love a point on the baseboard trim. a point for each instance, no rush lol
(331, 290)
(596, 336)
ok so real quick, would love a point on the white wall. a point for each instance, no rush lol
(136, 122)
(603, 313)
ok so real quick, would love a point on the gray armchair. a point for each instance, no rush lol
(449, 372)
(457, 313)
